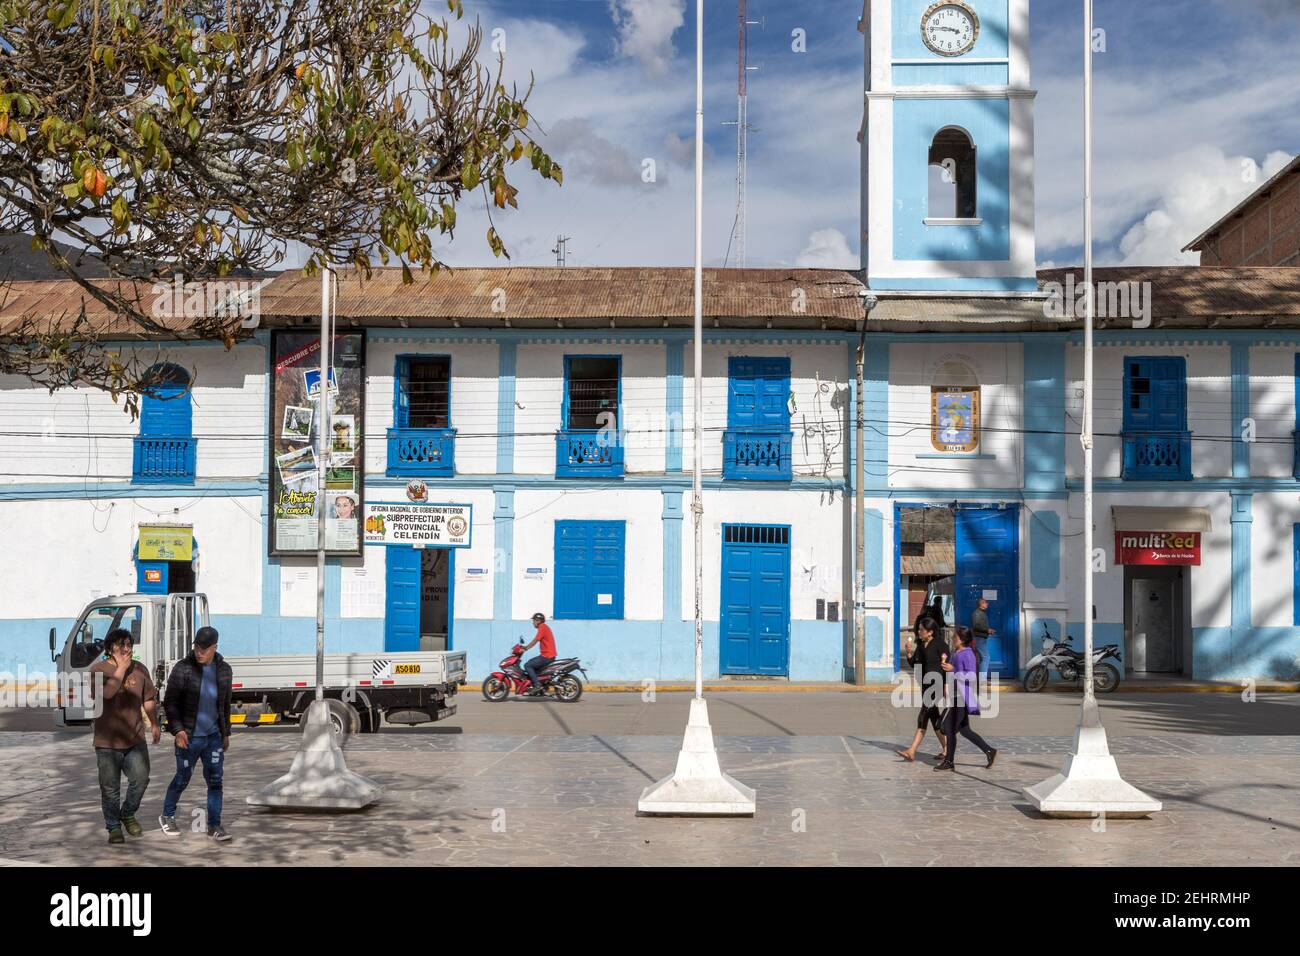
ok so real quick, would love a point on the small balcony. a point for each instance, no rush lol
(753, 454)
(1157, 456)
(588, 453)
(162, 461)
(422, 452)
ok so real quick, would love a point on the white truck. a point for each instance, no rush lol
(406, 687)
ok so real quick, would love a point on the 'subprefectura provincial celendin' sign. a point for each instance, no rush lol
(418, 525)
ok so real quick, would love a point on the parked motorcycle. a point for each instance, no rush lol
(1069, 663)
(557, 679)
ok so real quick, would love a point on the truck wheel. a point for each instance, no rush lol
(344, 719)
(370, 721)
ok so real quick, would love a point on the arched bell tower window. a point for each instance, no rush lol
(952, 177)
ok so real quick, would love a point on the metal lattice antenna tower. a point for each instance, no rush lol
(736, 243)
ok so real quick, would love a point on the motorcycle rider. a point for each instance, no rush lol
(545, 653)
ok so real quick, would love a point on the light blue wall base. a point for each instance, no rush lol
(1272, 652)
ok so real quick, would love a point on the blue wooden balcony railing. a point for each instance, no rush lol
(757, 454)
(588, 453)
(1158, 456)
(422, 452)
(162, 461)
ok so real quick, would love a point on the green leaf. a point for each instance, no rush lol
(469, 176)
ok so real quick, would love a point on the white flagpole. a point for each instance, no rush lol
(698, 787)
(1089, 785)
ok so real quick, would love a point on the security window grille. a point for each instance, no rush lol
(593, 393)
(428, 392)
(755, 534)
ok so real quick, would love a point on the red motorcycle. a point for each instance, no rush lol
(556, 678)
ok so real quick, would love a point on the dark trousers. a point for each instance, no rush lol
(534, 667)
(206, 750)
(957, 721)
(132, 762)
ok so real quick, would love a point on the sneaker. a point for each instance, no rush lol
(218, 833)
(169, 827)
(132, 826)
(992, 755)
(115, 837)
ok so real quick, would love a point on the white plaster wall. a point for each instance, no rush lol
(1272, 559)
(816, 546)
(819, 379)
(1209, 406)
(63, 552)
(1272, 406)
(536, 512)
(999, 369)
(474, 368)
(1211, 581)
(229, 401)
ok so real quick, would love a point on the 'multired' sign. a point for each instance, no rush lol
(418, 525)
(1158, 547)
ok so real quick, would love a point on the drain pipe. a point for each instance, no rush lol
(869, 301)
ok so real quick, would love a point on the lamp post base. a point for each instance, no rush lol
(319, 778)
(698, 787)
(1089, 785)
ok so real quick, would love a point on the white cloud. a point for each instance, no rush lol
(646, 28)
(1203, 185)
(826, 249)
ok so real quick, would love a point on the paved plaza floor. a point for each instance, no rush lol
(535, 782)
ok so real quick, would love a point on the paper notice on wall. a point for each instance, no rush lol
(604, 599)
(990, 595)
(361, 595)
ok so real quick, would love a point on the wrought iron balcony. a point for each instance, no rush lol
(422, 452)
(588, 453)
(162, 461)
(1157, 456)
(756, 454)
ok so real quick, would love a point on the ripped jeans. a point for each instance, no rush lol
(208, 751)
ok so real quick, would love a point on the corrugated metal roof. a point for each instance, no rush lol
(56, 304)
(940, 558)
(1183, 296)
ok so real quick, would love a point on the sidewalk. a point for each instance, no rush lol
(781, 685)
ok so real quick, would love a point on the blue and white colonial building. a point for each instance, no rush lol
(556, 404)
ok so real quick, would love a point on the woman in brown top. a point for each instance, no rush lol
(122, 689)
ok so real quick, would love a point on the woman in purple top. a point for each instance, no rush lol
(964, 668)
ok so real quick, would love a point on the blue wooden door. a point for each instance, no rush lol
(589, 558)
(755, 619)
(151, 577)
(1155, 394)
(988, 564)
(758, 389)
(166, 411)
(402, 600)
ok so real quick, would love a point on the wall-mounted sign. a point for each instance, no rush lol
(1158, 547)
(165, 543)
(417, 491)
(954, 419)
(296, 414)
(153, 576)
(394, 523)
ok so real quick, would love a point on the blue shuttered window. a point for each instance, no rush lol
(589, 559)
(757, 444)
(1157, 444)
(164, 451)
(421, 442)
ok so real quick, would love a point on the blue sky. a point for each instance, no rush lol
(1196, 103)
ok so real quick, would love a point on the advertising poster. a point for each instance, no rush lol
(296, 418)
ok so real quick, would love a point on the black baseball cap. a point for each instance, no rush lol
(205, 637)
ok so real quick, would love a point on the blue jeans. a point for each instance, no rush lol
(134, 763)
(534, 668)
(208, 751)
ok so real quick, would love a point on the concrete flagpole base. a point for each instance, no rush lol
(1089, 785)
(319, 778)
(698, 787)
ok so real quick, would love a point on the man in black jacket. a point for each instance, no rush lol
(928, 657)
(197, 704)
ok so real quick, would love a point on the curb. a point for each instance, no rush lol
(1005, 687)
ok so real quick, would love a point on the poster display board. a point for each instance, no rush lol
(296, 397)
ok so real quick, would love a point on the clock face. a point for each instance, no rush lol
(950, 29)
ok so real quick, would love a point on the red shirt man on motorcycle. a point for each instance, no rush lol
(545, 653)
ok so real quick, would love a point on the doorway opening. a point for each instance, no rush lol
(927, 561)
(435, 599)
(1157, 635)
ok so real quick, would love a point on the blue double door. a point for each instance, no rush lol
(988, 565)
(755, 618)
(415, 601)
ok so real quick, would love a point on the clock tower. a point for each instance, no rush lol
(948, 147)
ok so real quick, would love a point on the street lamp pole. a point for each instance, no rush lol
(322, 452)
